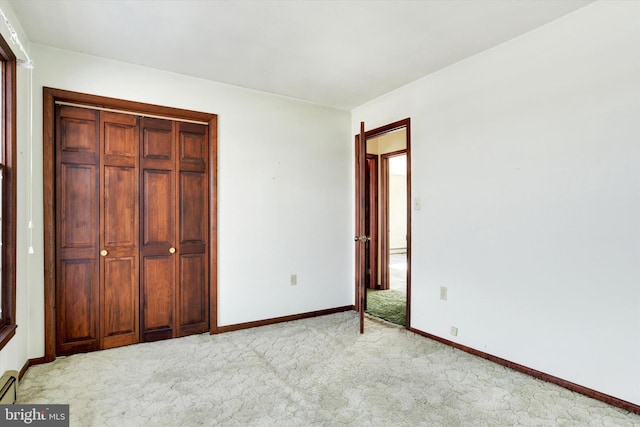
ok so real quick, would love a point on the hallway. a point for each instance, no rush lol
(398, 272)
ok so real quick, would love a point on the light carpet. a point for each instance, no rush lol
(312, 372)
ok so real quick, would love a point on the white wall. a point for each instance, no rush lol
(285, 184)
(527, 162)
(398, 212)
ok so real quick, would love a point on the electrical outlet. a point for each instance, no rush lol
(454, 331)
(293, 280)
(417, 205)
(443, 293)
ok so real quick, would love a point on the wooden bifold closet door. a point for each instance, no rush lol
(131, 229)
(174, 203)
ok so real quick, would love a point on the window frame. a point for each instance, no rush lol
(8, 162)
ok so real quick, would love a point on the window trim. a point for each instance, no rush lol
(9, 155)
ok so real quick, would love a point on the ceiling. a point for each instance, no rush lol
(335, 53)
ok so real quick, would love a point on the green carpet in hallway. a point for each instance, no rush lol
(388, 305)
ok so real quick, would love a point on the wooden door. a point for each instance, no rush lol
(361, 212)
(77, 267)
(158, 210)
(129, 223)
(119, 216)
(132, 241)
(175, 229)
(361, 237)
(193, 219)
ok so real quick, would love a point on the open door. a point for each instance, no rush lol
(361, 237)
(374, 240)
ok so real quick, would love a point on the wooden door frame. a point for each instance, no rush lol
(372, 191)
(385, 279)
(52, 96)
(359, 187)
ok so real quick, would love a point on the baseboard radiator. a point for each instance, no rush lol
(9, 388)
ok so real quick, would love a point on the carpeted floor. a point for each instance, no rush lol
(312, 372)
(388, 305)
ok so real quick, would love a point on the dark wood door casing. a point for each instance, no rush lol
(371, 223)
(385, 258)
(105, 291)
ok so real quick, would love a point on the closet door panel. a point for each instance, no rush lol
(158, 223)
(194, 304)
(77, 306)
(159, 297)
(77, 207)
(158, 209)
(120, 235)
(193, 214)
(77, 284)
(77, 233)
(120, 208)
(120, 313)
(193, 228)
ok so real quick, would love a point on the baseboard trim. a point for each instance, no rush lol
(29, 363)
(594, 394)
(255, 324)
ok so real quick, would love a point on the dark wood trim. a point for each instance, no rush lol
(48, 173)
(384, 223)
(594, 394)
(387, 128)
(6, 333)
(213, 225)
(360, 155)
(407, 123)
(29, 363)
(394, 153)
(50, 97)
(8, 322)
(130, 106)
(384, 201)
(362, 201)
(265, 322)
(371, 249)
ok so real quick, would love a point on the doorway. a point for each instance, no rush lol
(387, 223)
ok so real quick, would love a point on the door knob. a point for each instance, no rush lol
(104, 252)
(361, 238)
(172, 250)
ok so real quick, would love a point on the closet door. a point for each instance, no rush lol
(119, 216)
(158, 212)
(77, 230)
(193, 291)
